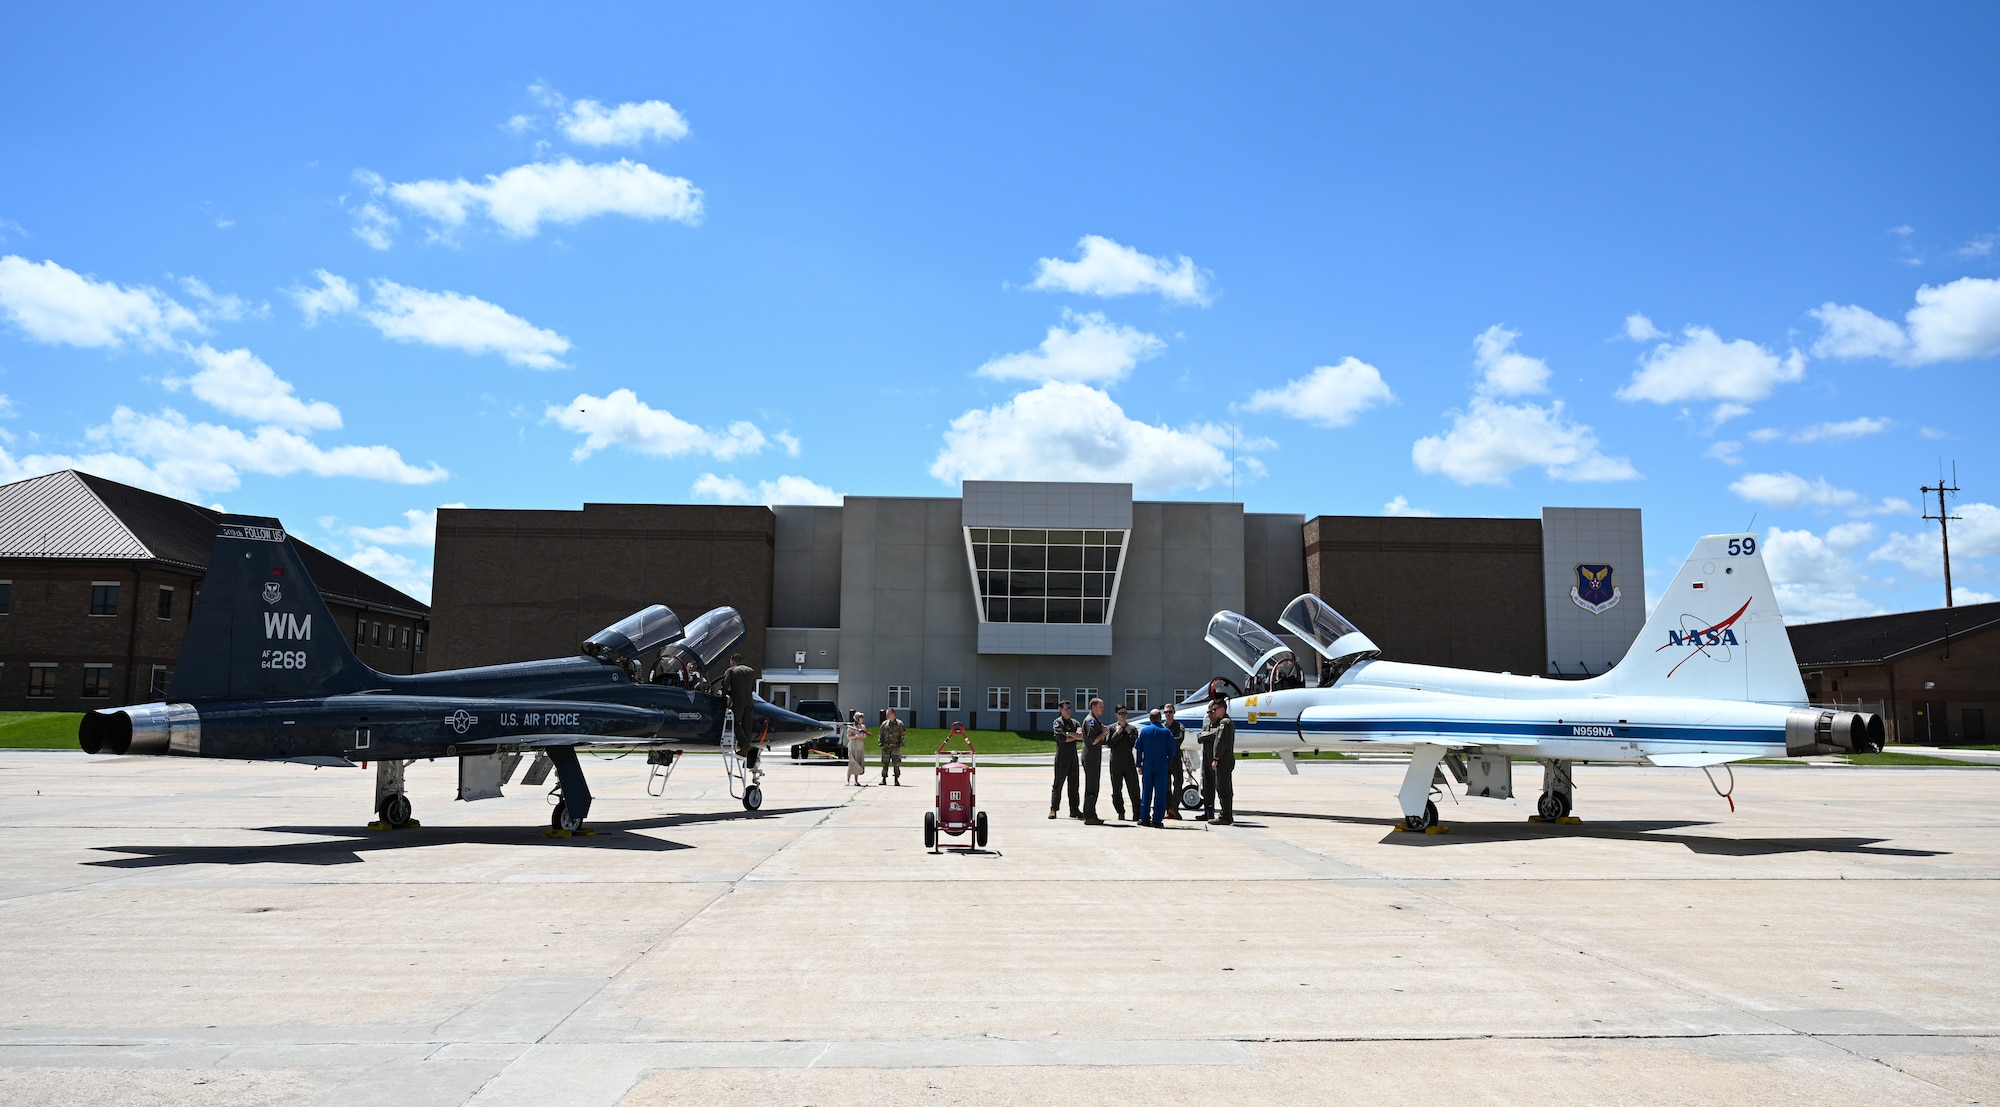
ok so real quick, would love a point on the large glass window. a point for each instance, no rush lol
(96, 682)
(1045, 576)
(1044, 699)
(899, 696)
(103, 597)
(997, 699)
(1135, 699)
(947, 697)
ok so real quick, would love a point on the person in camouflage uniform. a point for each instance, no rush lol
(891, 741)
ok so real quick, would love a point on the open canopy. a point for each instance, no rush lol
(635, 635)
(1250, 646)
(1327, 631)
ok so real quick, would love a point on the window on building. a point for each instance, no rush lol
(1044, 699)
(360, 632)
(420, 641)
(41, 679)
(1182, 695)
(1045, 576)
(163, 679)
(947, 697)
(166, 606)
(375, 634)
(104, 597)
(997, 699)
(1083, 698)
(6, 596)
(1135, 699)
(96, 682)
(405, 638)
(899, 696)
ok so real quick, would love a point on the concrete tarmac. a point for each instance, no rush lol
(220, 933)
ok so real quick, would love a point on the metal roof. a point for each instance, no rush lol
(81, 516)
(1880, 638)
(59, 516)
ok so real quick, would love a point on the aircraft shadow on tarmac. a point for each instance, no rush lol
(343, 845)
(1474, 833)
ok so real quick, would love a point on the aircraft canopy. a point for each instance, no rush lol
(1250, 646)
(710, 638)
(1326, 630)
(635, 635)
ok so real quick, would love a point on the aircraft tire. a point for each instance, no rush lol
(978, 829)
(1552, 806)
(396, 810)
(753, 798)
(1424, 821)
(1191, 796)
(559, 818)
(930, 829)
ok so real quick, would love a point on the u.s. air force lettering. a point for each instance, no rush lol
(1593, 590)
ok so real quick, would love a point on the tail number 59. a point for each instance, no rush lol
(1742, 547)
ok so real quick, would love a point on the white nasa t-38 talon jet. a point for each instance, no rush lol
(1710, 680)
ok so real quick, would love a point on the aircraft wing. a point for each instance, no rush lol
(1695, 760)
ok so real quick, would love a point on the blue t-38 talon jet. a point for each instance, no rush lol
(1710, 680)
(264, 675)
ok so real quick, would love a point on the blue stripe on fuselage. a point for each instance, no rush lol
(1415, 729)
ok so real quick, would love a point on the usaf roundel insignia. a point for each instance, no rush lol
(271, 593)
(1593, 590)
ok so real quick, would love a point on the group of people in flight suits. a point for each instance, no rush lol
(1145, 763)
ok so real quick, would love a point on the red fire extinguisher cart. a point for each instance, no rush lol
(957, 811)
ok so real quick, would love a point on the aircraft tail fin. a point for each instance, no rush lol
(1716, 633)
(260, 629)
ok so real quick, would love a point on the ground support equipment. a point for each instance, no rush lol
(957, 810)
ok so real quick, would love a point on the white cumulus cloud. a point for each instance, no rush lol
(1105, 268)
(1814, 579)
(49, 303)
(220, 305)
(1974, 534)
(523, 198)
(1070, 431)
(419, 528)
(623, 419)
(784, 490)
(1090, 348)
(240, 383)
(1329, 396)
(1638, 328)
(629, 124)
(1950, 322)
(456, 321)
(1400, 507)
(1785, 491)
(1703, 366)
(1489, 440)
(334, 296)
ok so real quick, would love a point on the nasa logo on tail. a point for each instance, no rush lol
(1713, 641)
(1593, 590)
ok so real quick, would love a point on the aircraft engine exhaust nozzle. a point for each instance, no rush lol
(1811, 732)
(148, 729)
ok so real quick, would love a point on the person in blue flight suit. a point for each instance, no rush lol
(1158, 751)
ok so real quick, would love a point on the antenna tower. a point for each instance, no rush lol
(1944, 518)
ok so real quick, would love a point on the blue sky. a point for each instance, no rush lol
(1715, 263)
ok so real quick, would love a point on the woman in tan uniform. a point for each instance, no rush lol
(857, 749)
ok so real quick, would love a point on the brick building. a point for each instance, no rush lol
(97, 580)
(1933, 675)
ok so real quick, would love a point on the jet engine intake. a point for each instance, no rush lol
(149, 729)
(1858, 732)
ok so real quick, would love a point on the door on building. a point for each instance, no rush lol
(780, 696)
(1933, 727)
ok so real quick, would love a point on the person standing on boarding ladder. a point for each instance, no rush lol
(1176, 770)
(891, 742)
(739, 682)
(1218, 743)
(1067, 731)
(1094, 731)
(1124, 770)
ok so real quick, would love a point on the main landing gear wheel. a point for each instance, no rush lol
(559, 819)
(930, 828)
(1191, 796)
(978, 828)
(396, 810)
(753, 798)
(1424, 821)
(1552, 806)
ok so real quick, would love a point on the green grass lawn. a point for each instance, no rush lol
(1894, 758)
(38, 730)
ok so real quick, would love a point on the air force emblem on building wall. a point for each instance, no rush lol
(271, 592)
(1593, 590)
